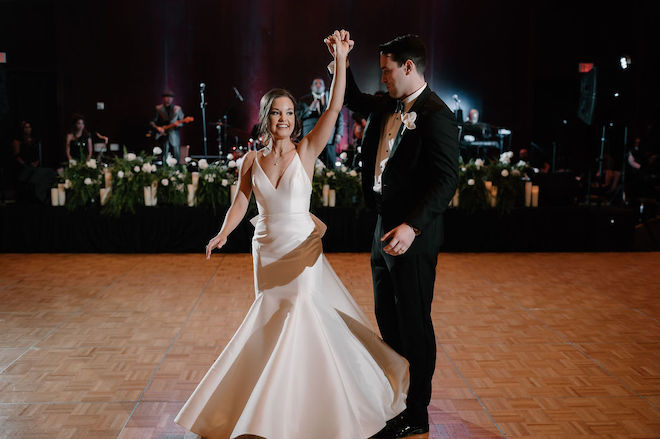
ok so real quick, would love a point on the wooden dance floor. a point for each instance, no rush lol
(529, 345)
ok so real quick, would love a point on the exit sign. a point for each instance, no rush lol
(3, 57)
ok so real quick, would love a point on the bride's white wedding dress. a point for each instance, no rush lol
(305, 363)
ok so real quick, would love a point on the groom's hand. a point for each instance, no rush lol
(401, 238)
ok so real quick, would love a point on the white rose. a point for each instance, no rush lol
(72, 162)
(225, 182)
(230, 156)
(203, 164)
(120, 174)
(343, 156)
(130, 156)
(211, 179)
(478, 163)
(136, 168)
(521, 164)
(330, 174)
(187, 159)
(239, 162)
(463, 169)
(87, 181)
(153, 168)
(171, 161)
(91, 163)
(146, 167)
(353, 173)
(157, 150)
(344, 169)
(179, 187)
(231, 164)
(408, 120)
(67, 184)
(164, 182)
(505, 173)
(471, 182)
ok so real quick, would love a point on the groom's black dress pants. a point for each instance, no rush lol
(403, 292)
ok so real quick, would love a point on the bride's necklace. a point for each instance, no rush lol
(276, 160)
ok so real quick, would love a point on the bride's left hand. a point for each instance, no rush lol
(339, 43)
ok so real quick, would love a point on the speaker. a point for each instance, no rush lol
(587, 102)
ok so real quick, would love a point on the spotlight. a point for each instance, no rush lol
(625, 62)
(616, 94)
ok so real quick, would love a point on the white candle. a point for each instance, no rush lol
(454, 201)
(54, 196)
(191, 194)
(195, 178)
(105, 194)
(488, 184)
(326, 194)
(332, 198)
(147, 195)
(528, 193)
(493, 196)
(107, 174)
(154, 192)
(535, 196)
(232, 192)
(61, 194)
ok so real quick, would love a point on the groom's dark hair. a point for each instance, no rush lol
(404, 48)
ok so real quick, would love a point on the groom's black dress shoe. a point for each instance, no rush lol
(410, 429)
(390, 429)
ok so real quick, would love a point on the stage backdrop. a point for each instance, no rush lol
(64, 56)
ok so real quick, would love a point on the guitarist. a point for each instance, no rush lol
(166, 114)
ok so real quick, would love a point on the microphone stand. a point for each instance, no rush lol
(202, 105)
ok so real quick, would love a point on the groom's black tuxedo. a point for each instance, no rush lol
(418, 182)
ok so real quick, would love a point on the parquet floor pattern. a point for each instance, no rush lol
(529, 345)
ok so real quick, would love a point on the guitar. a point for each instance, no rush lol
(173, 125)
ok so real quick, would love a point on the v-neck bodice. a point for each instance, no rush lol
(292, 193)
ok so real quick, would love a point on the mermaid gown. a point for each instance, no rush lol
(305, 362)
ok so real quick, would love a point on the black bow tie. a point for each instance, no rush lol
(399, 106)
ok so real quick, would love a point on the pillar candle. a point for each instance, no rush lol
(332, 198)
(154, 192)
(147, 195)
(191, 194)
(535, 196)
(61, 194)
(195, 178)
(107, 174)
(528, 193)
(326, 194)
(454, 201)
(105, 194)
(54, 196)
(493, 196)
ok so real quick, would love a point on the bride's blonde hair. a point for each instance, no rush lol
(264, 110)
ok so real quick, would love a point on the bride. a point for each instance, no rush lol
(305, 363)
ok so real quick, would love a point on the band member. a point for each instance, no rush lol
(168, 113)
(78, 140)
(310, 108)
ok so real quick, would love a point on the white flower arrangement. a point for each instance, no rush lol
(203, 164)
(343, 155)
(505, 157)
(231, 164)
(165, 182)
(136, 168)
(225, 182)
(87, 181)
(505, 173)
(470, 182)
(230, 156)
(91, 163)
(171, 161)
(187, 159)
(131, 156)
(478, 163)
(120, 174)
(157, 150)
(148, 167)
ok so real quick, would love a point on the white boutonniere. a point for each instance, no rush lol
(408, 120)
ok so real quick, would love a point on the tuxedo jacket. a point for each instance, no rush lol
(421, 174)
(308, 118)
(164, 118)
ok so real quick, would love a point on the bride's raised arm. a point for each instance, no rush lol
(314, 142)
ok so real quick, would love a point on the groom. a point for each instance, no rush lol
(409, 175)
